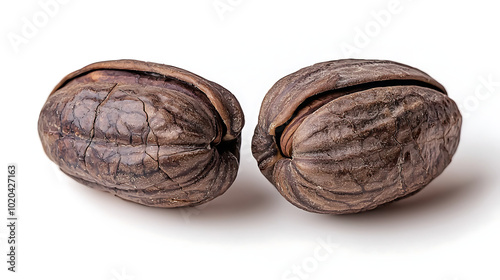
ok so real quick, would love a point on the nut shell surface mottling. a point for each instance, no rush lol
(383, 132)
(149, 133)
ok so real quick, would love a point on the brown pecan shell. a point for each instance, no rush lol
(349, 135)
(150, 133)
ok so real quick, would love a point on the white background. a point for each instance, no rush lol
(449, 231)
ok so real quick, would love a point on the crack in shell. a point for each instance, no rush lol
(92, 131)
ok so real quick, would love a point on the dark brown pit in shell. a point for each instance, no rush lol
(349, 135)
(149, 133)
